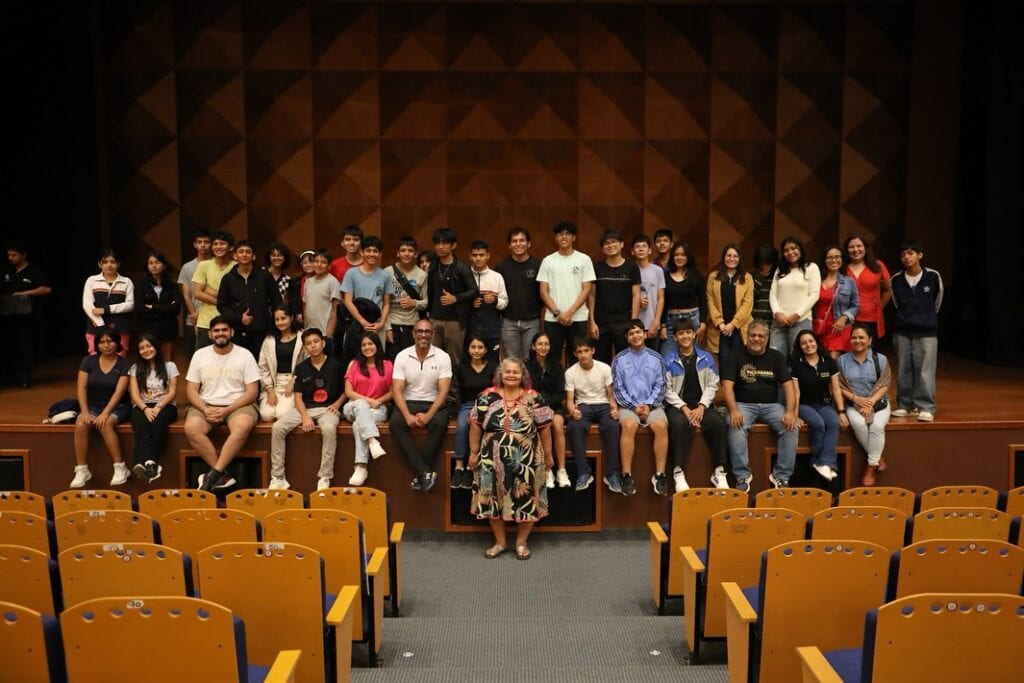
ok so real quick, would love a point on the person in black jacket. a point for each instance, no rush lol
(246, 297)
(548, 378)
(159, 302)
(452, 288)
(917, 297)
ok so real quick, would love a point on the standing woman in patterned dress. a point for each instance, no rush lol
(873, 284)
(510, 452)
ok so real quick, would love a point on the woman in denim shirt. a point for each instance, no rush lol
(837, 304)
(864, 379)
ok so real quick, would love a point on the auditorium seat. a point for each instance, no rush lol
(104, 526)
(30, 649)
(688, 526)
(191, 530)
(903, 641)
(278, 590)
(805, 500)
(735, 541)
(89, 499)
(966, 523)
(338, 537)
(959, 497)
(159, 502)
(886, 496)
(30, 579)
(27, 529)
(1014, 504)
(785, 608)
(23, 501)
(371, 507)
(956, 566)
(101, 570)
(172, 639)
(885, 526)
(261, 502)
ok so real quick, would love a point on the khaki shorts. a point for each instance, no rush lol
(656, 415)
(249, 410)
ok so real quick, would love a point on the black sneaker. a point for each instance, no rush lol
(467, 479)
(427, 480)
(139, 471)
(416, 484)
(153, 471)
(778, 483)
(628, 485)
(208, 481)
(660, 481)
(456, 482)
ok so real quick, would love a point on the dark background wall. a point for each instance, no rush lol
(725, 121)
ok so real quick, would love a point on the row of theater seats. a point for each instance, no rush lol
(794, 572)
(104, 547)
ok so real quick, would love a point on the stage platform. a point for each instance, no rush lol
(977, 438)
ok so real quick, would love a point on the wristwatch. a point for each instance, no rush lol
(556, 312)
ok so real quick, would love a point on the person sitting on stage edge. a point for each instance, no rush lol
(280, 354)
(422, 380)
(223, 382)
(102, 404)
(821, 408)
(864, 379)
(638, 380)
(153, 384)
(691, 384)
(318, 395)
(368, 388)
(751, 381)
(589, 398)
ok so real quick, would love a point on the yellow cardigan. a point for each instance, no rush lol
(744, 305)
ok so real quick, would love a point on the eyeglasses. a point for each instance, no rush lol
(423, 332)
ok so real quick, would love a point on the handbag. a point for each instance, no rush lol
(882, 403)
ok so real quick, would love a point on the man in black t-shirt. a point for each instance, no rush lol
(520, 321)
(751, 380)
(319, 393)
(20, 283)
(615, 297)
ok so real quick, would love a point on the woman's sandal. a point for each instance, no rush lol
(522, 552)
(494, 551)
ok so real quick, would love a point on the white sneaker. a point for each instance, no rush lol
(323, 483)
(549, 481)
(277, 483)
(680, 479)
(825, 471)
(121, 474)
(376, 450)
(358, 477)
(82, 475)
(719, 479)
(925, 416)
(562, 477)
(900, 412)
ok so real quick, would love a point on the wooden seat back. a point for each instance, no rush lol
(805, 500)
(25, 529)
(885, 526)
(23, 501)
(89, 499)
(191, 530)
(736, 539)
(278, 590)
(879, 496)
(1015, 502)
(103, 526)
(261, 502)
(957, 566)
(688, 525)
(30, 648)
(28, 579)
(159, 502)
(369, 505)
(102, 570)
(983, 630)
(963, 523)
(959, 497)
(188, 639)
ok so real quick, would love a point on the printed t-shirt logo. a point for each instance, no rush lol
(750, 373)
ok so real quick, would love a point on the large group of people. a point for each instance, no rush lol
(524, 356)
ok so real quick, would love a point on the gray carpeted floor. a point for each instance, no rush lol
(579, 610)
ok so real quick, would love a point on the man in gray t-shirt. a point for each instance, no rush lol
(201, 242)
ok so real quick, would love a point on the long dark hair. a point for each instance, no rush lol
(797, 353)
(156, 365)
(784, 265)
(532, 356)
(741, 272)
(295, 325)
(870, 260)
(378, 354)
(691, 259)
(165, 276)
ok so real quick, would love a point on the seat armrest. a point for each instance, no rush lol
(815, 667)
(340, 619)
(397, 529)
(740, 619)
(737, 602)
(341, 611)
(283, 668)
(377, 560)
(657, 533)
(691, 560)
(692, 570)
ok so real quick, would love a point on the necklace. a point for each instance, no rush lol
(510, 408)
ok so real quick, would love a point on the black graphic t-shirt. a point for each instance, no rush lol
(320, 388)
(757, 378)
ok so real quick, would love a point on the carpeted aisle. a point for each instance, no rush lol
(579, 610)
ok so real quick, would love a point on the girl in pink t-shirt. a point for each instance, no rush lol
(368, 388)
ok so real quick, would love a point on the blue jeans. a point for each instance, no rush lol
(771, 414)
(915, 381)
(462, 432)
(576, 432)
(823, 423)
(782, 338)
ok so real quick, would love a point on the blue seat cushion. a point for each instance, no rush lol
(702, 555)
(753, 595)
(257, 673)
(847, 663)
(329, 600)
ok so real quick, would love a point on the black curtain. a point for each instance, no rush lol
(984, 313)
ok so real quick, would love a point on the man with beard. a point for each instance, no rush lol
(751, 380)
(223, 382)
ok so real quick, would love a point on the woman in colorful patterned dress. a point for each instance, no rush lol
(510, 453)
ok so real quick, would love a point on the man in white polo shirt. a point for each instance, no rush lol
(420, 383)
(223, 383)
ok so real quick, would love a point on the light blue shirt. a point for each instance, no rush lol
(363, 286)
(861, 376)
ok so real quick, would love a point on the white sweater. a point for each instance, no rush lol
(797, 292)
